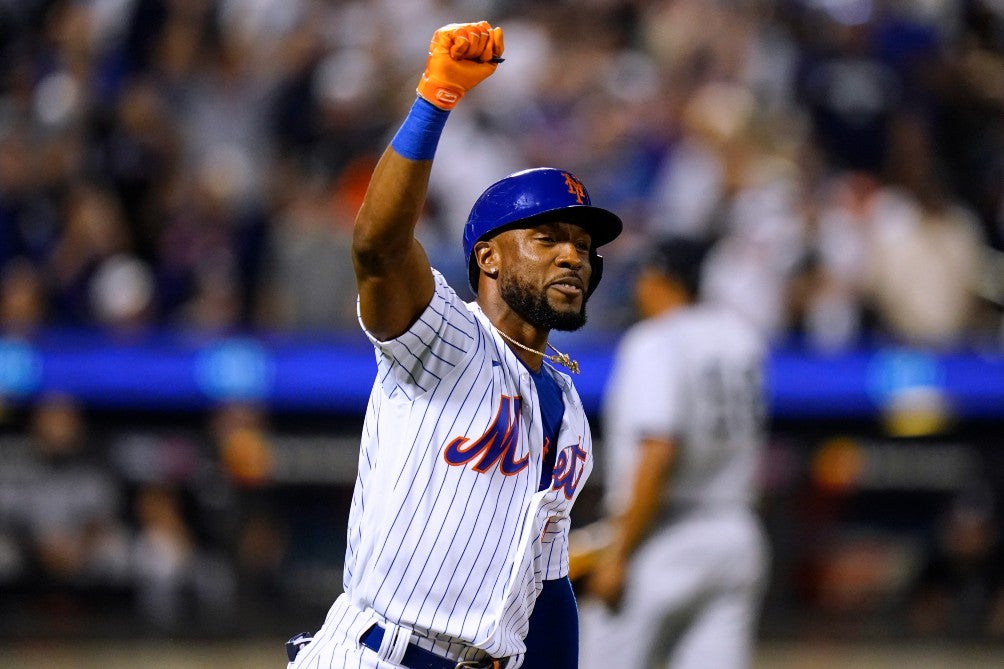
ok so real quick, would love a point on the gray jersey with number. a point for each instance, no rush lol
(693, 375)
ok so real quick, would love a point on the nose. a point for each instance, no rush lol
(571, 256)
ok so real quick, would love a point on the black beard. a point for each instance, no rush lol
(536, 310)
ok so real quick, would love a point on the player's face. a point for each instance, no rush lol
(544, 274)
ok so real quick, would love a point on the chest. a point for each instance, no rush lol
(516, 425)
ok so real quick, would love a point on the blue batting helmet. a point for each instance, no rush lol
(536, 196)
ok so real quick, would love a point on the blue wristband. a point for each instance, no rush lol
(418, 136)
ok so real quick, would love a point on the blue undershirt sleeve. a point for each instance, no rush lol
(553, 639)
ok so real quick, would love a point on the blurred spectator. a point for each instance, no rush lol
(828, 309)
(262, 553)
(22, 299)
(960, 590)
(66, 506)
(237, 430)
(138, 153)
(28, 217)
(162, 555)
(215, 308)
(185, 517)
(255, 536)
(850, 92)
(759, 220)
(223, 119)
(927, 253)
(178, 581)
(95, 238)
(121, 295)
(969, 134)
(311, 286)
(691, 185)
(211, 238)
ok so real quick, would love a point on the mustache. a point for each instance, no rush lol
(570, 278)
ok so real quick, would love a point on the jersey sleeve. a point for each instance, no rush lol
(444, 335)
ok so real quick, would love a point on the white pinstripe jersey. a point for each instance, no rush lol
(448, 533)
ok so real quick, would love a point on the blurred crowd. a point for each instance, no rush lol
(233, 523)
(112, 528)
(198, 163)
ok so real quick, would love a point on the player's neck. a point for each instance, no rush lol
(511, 324)
(662, 302)
(533, 358)
(528, 343)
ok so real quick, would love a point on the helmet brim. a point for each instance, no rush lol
(602, 225)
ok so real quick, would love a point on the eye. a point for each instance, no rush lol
(582, 246)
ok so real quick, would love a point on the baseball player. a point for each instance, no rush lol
(473, 447)
(680, 579)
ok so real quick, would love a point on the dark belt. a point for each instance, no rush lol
(416, 657)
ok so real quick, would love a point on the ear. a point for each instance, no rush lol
(487, 258)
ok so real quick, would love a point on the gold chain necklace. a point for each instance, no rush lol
(560, 358)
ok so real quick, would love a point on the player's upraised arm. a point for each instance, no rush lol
(392, 270)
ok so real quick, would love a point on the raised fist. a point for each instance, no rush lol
(461, 55)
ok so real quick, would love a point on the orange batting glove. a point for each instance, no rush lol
(461, 55)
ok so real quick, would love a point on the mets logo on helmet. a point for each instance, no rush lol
(575, 187)
(497, 446)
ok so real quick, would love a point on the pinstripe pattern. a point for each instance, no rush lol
(455, 555)
(336, 644)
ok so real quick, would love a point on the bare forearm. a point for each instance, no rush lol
(650, 481)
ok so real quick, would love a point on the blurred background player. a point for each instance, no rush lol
(679, 584)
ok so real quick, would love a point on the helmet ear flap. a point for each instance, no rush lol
(472, 275)
(596, 261)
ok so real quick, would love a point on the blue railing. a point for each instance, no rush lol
(175, 371)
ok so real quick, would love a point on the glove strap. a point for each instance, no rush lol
(418, 136)
(440, 93)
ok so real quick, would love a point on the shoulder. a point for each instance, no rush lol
(649, 344)
(442, 286)
(453, 306)
(651, 331)
(719, 323)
